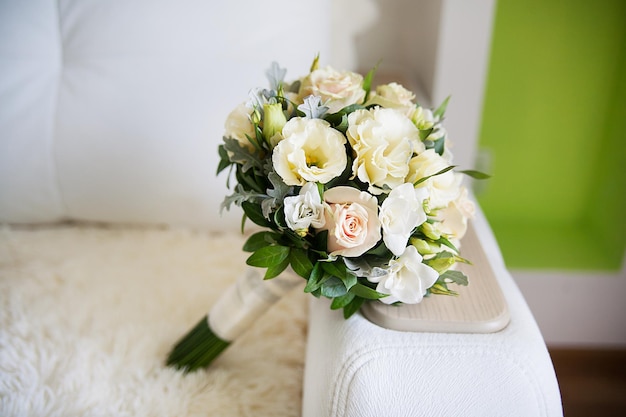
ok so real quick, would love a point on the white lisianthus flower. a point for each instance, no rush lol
(401, 212)
(394, 95)
(383, 141)
(238, 125)
(310, 150)
(442, 188)
(337, 89)
(352, 221)
(407, 278)
(454, 218)
(305, 210)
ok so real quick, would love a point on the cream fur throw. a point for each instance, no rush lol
(88, 315)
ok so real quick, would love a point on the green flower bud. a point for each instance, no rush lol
(273, 121)
(430, 231)
(424, 247)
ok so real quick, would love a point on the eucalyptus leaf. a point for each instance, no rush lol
(456, 277)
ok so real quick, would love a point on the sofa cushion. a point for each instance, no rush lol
(113, 110)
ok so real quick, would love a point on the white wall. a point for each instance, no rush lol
(443, 46)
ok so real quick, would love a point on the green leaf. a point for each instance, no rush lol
(442, 108)
(443, 171)
(224, 160)
(275, 270)
(315, 278)
(457, 277)
(364, 291)
(333, 287)
(255, 213)
(259, 240)
(367, 81)
(300, 262)
(341, 302)
(477, 175)
(336, 269)
(268, 256)
(440, 288)
(439, 145)
(350, 280)
(352, 307)
(320, 241)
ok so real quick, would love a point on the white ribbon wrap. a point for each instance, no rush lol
(248, 298)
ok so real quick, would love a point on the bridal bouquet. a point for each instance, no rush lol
(354, 191)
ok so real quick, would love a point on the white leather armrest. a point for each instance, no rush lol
(355, 368)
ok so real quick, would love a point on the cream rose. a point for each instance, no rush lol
(401, 212)
(406, 279)
(352, 221)
(383, 141)
(337, 89)
(442, 188)
(238, 125)
(394, 96)
(310, 150)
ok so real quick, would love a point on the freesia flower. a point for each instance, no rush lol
(352, 221)
(407, 278)
(310, 150)
(401, 212)
(383, 141)
(305, 210)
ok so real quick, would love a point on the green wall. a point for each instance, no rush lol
(554, 122)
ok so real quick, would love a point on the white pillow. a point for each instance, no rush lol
(113, 110)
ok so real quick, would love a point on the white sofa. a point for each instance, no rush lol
(111, 111)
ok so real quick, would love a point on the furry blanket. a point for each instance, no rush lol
(88, 315)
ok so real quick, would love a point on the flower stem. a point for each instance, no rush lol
(197, 348)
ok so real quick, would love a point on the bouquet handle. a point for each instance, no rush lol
(233, 313)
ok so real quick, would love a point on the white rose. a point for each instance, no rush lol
(337, 89)
(407, 278)
(442, 188)
(384, 141)
(310, 150)
(394, 96)
(238, 125)
(453, 219)
(352, 221)
(401, 212)
(305, 209)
